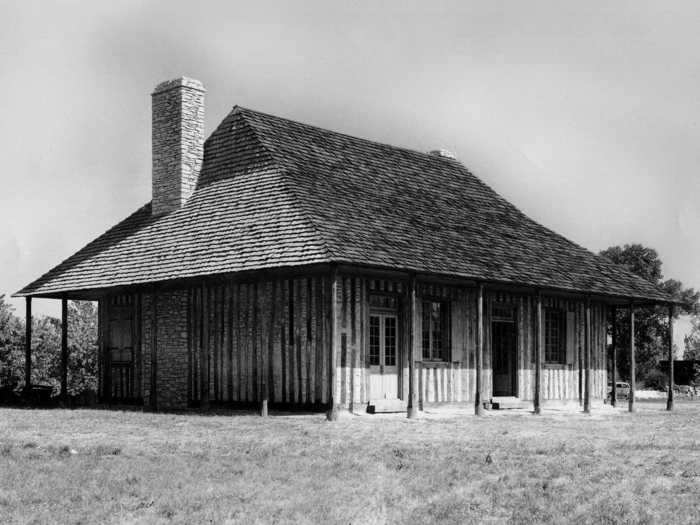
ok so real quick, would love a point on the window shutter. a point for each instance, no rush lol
(570, 337)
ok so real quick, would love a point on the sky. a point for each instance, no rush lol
(583, 114)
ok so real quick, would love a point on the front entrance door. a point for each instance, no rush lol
(120, 355)
(504, 354)
(383, 365)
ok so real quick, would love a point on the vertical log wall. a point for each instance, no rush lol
(229, 342)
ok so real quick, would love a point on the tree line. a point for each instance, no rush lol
(46, 348)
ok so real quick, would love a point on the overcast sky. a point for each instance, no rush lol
(584, 115)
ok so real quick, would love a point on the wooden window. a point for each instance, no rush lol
(554, 335)
(435, 330)
(390, 341)
(374, 341)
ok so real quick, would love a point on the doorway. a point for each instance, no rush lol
(504, 349)
(383, 359)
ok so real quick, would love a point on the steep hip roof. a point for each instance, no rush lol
(275, 193)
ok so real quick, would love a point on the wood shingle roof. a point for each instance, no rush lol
(275, 193)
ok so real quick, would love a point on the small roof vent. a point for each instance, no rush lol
(443, 153)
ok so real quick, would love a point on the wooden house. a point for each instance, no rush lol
(279, 262)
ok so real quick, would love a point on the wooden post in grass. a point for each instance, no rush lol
(587, 357)
(613, 393)
(669, 402)
(537, 401)
(204, 353)
(633, 372)
(478, 406)
(64, 350)
(28, 346)
(332, 414)
(154, 351)
(412, 310)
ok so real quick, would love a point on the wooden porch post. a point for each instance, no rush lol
(669, 402)
(64, 350)
(478, 406)
(28, 345)
(332, 414)
(537, 401)
(633, 372)
(204, 353)
(587, 357)
(613, 394)
(412, 397)
(154, 351)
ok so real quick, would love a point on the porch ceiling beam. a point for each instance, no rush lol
(669, 402)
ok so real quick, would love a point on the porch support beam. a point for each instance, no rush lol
(412, 310)
(332, 414)
(28, 345)
(613, 394)
(478, 405)
(64, 350)
(587, 358)
(669, 402)
(204, 352)
(537, 397)
(154, 351)
(633, 372)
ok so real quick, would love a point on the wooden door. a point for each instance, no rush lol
(120, 355)
(504, 357)
(383, 359)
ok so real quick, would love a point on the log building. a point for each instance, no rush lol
(282, 263)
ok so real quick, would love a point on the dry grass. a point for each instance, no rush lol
(88, 466)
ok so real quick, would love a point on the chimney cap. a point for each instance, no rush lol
(181, 82)
(443, 153)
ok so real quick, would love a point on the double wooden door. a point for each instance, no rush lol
(383, 356)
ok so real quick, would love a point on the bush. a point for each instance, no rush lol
(656, 380)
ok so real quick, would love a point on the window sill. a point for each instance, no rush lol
(437, 364)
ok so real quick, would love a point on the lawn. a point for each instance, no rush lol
(87, 466)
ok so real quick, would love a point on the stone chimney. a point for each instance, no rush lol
(177, 142)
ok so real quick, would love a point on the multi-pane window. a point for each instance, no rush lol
(390, 341)
(554, 335)
(435, 330)
(374, 339)
(382, 340)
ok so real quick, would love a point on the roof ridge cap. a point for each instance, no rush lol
(287, 186)
(427, 155)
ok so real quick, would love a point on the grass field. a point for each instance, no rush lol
(91, 466)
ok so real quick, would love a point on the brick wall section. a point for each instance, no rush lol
(172, 351)
(177, 142)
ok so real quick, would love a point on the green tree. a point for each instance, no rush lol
(692, 340)
(11, 346)
(82, 347)
(46, 348)
(651, 323)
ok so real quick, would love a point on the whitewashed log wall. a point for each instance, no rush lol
(230, 342)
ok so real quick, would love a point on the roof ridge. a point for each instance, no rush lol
(288, 187)
(353, 137)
